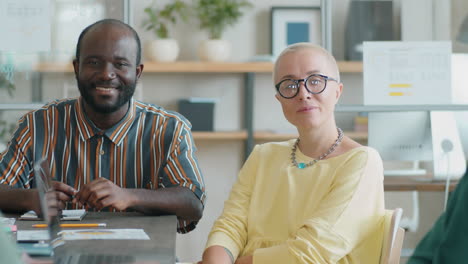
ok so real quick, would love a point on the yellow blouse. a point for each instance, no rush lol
(331, 212)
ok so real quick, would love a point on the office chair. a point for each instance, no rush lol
(393, 237)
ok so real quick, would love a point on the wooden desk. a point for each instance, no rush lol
(160, 229)
(403, 184)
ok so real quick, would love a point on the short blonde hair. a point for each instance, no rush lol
(309, 46)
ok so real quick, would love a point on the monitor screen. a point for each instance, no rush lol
(401, 136)
(428, 136)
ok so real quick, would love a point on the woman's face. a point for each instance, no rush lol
(307, 110)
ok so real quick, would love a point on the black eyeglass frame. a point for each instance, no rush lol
(297, 81)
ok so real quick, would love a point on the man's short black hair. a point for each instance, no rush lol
(114, 22)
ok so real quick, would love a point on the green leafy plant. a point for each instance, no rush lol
(6, 130)
(158, 19)
(216, 15)
(5, 83)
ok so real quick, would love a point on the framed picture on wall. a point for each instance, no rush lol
(293, 24)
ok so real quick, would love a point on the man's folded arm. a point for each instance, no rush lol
(18, 200)
(178, 201)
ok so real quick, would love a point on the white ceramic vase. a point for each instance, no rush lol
(163, 50)
(216, 50)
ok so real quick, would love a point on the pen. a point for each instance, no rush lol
(73, 225)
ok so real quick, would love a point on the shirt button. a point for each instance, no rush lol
(101, 152)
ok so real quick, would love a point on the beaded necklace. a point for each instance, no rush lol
(302, 165)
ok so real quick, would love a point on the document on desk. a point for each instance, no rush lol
(32, 235)
(72, 215)
(119, 234)
(7, 221)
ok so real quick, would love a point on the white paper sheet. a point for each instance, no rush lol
(414, 73)
(7, 221)
(74, 215)
(32, 235)
(86, 234)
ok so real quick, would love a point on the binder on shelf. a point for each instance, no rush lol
(199, 111)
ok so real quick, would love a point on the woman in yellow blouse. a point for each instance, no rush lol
(315, 199)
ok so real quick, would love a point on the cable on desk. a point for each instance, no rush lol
(447, 147)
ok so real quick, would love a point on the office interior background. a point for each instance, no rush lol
(35, 78)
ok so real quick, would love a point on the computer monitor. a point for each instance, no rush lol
(401, 136)
(420, 136)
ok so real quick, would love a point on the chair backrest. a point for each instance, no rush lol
(393, 237)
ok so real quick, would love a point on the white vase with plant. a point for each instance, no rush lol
(215, 16)
(163, 48)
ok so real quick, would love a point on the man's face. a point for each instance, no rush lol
(106, 71)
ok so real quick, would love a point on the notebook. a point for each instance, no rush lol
(64, 255)
(67, 215)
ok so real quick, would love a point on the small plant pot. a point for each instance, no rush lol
(163, 50)
(216, 50)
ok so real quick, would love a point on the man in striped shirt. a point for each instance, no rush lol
(106, 149)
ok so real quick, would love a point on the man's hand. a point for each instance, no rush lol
(56, 199)
(102, 193)
(64, 193)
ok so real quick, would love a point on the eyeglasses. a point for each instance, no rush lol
(314, 84)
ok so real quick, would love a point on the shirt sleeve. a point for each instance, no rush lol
(230, 229)
(351, 211)
(15, 161)
(182, 170)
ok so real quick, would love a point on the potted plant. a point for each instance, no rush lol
(215, 16)
(164, 48)
(7, 84)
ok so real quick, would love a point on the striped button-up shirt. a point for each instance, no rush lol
(149, 148)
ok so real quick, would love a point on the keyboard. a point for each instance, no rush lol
(95, 259)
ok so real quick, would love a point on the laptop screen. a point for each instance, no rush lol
(48, 200)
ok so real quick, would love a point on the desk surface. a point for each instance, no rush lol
(160, 229)
(400, 184)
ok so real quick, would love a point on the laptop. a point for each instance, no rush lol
(63, 254)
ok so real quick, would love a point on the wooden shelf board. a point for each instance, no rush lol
(21, 106)
(54, 67)
(350, 66)
(178, 66)
(234, 135)
(269, 136)
(199, 67)
(400, 184)
(401, 108)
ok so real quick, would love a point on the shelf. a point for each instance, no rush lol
(261, 135)
(403, 184)
(54, 67)
(271, 136)
(350, 66)
(339, 108)
(21, 106)
(400, 108)
(200, 67)
(236, 135)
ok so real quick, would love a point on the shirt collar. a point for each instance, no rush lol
(116, 134)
